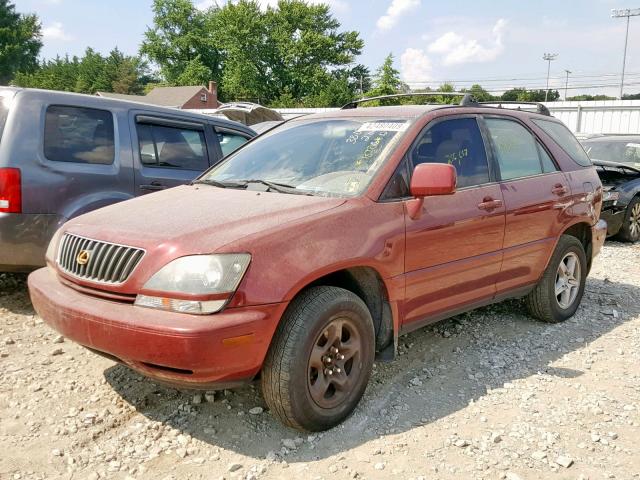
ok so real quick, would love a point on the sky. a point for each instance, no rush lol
(498, 43)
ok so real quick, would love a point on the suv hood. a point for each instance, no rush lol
(196, 218)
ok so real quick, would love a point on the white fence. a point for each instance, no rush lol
(608, 116)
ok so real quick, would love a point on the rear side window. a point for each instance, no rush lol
(230, 141)
(172, 147)
(78, 135)
(459, 143)
(563, 137)
(517, 151)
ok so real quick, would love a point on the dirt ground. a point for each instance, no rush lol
(490, 394)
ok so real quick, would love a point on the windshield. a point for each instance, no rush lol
(335, 157)
(620, 151)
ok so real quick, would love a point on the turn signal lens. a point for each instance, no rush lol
(180, 306)
(10, 190)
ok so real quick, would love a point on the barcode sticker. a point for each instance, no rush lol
(383, 127)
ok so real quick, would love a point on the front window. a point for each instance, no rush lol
(336, 157)
(620, 151)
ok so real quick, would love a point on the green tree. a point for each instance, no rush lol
(480, 94)
(89, 74)
(180, 40)
(524, 95)
(386, 82)
(20, 42)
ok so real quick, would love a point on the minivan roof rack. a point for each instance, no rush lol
(467, 98)
(540, 108)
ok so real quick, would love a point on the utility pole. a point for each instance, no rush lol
(628, 13)
(548, 57)
(566, 84)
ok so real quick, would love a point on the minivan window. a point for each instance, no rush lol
(230, 141)
(336, 157)
(563, 137)
(172, 147)
(5, 101)
(517, 151)
(457, 142)
(78, 135)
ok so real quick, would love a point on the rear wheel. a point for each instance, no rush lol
(557, 295)
(630, 230)
(320, 359)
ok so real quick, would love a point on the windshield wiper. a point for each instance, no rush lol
(277, 187)
(216, 183)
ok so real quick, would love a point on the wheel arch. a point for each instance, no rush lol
(582, 231)
(367, 283)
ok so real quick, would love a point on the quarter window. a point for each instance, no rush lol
(563, 137)
(459, 143)
(171, 147)
(230, 141)
(517, 151)
(78, 135)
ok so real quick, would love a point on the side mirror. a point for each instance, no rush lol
(433, 179)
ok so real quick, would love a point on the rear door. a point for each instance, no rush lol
(454, 249)
(171, 152)
(536, 194)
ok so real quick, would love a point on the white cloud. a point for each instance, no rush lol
(396, 10)
(415, 66)
(457, 49)
(56, 32)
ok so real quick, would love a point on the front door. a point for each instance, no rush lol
(454, 248)
(170, 153)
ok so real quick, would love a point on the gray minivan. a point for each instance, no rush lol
(64, 154)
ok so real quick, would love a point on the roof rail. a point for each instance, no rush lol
(467, 98)
(540, 108)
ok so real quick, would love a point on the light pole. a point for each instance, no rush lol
(628, 13)
(566, 84)
(548, 57)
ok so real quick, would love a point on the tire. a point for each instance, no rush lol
(542, 302)
(292, 384)
(630, 230)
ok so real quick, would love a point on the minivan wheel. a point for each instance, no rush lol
(557, 295)
(320, 360)
(630, 230)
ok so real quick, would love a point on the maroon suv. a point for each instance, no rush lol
(311, 248)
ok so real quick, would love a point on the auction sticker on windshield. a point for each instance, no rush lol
(383, 127)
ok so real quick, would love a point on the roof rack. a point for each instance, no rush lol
(467, 98)
(540, 108)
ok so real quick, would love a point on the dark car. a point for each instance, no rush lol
(617, 158)
(64, 154)
(338, 232)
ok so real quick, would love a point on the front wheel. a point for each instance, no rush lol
(630, 230)
(320, 360)
(557, 295)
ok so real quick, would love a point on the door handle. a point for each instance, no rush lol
(559, 189)
(153, 186)
(489, 203)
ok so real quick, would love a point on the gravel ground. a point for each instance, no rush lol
(491, 394)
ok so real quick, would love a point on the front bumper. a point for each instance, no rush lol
(614, 219)
(213, 351)
(24, 239)
(598, 236)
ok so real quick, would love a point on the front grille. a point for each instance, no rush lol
(105, 262)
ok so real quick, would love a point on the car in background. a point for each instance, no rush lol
(338, 232)
(617, 159)
(65, 154)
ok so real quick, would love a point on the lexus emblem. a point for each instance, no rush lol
(83, 257)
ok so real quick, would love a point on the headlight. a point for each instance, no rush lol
(610, 196)
(197, 275)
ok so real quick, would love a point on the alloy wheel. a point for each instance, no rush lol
(334, 364)
(567, 280)
(634, 221)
